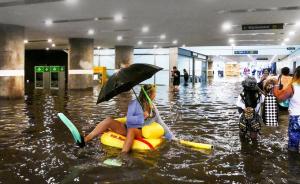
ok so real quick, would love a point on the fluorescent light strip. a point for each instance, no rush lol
(11, 73)
(77, 72)
(251, 34)
(255, 40)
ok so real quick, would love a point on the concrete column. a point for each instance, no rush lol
(81, 57)
(11, 61)
(173, 56)
(124, 56)
(193, 71)
(210, 70)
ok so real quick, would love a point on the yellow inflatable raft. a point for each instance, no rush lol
(152, 141)
(152, 134)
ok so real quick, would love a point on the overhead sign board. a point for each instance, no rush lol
(291, 48)
(245, 52)
(262, 58)
(262, 26)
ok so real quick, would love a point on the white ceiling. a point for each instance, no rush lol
(248, 58)
(191, 22)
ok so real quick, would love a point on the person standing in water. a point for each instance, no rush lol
(249, 105)
(284, 81)
(292, 92)
(138, 114)
(176, 78)
(265, 75)
(186, 77)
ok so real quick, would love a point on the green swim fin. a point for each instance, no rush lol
(75, 133)
(113, 162)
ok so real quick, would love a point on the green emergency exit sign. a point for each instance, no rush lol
(39, 69)
(57, 68)
(42, 69)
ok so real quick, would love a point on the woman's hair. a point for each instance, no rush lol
(149, 89)
(296, 77)
(266, 71)
(285, 71)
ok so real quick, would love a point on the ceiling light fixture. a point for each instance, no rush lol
(286, 39)
(119, 38)
(139, 42)
(231, 40)
(47, 48)
(96, 19)
(145, 29)
(25, 41)
(118, 17)
(227, 26)
(155, 46)
(292, 33)
(49, 40)
(162, 37)
(174, 42)
(183, 45)
(71, 1)
(282, 44)
(232, 44)
(91, 32)
(53, 45)
(48, 22)
(98, 47)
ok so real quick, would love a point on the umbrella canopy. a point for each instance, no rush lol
(125, 79)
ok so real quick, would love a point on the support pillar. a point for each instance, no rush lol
(11, 61)
(193, 71)
(81, 57)
(124, 56)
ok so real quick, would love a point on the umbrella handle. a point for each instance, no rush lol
(137, 99)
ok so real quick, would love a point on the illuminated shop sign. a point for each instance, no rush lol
(245, 52)
(262, 26)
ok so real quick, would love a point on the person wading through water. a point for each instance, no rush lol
(249, 104)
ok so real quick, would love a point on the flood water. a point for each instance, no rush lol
(35, 147)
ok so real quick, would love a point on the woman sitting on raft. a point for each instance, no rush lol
(137, 117)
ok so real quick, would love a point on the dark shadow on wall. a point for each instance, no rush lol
(44, 58)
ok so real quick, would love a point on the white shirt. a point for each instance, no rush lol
(294, 106)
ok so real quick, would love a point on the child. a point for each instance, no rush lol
(249, 105)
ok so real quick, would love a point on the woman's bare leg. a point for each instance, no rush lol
(132, 133)
(105, 125)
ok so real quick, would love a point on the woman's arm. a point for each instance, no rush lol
(285, 94)
(135, 115)
(168, 134)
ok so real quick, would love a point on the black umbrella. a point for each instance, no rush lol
(125, 79)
